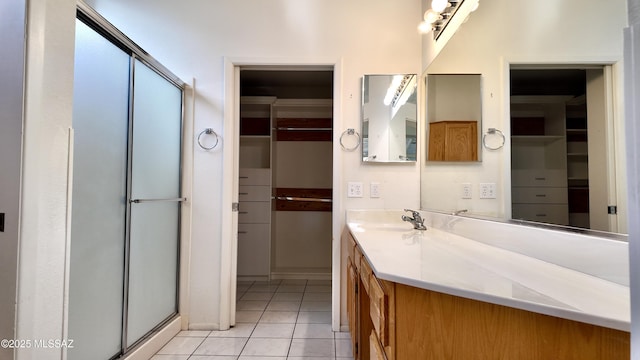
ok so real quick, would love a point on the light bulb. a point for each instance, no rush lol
(424, 27)
(430, 16)
(439, 5)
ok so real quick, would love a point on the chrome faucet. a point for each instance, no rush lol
(458, 212)
(416, 220)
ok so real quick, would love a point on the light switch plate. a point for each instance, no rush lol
(354, 189)
(374, 190)
(487, 190)
(466, 191)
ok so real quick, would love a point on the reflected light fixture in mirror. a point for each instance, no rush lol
(389, 118)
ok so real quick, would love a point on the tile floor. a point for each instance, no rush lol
(278, 320)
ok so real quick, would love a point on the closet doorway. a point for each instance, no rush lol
(283, 161)
(285, 174)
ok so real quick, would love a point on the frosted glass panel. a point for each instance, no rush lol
(100, 112)
(154, 259)
(157, 111)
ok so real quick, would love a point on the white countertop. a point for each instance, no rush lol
(442, 261)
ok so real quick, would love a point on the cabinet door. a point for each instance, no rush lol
(437, 134)
(352, 305)
(461, 142)
(253, 250)
(375, 349)
(378, 310)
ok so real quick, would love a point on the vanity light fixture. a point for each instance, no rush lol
(440, 5)
(438, 16)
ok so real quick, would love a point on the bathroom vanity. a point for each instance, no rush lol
(435, 294)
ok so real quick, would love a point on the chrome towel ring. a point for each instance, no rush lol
(208, 131)
(350, 132)
(492, 131)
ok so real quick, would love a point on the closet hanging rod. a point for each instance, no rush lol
(137, 201)
(292, 198)
(302, 129)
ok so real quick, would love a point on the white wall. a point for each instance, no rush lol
(503, 31)
(632, 98)
(193, 39)
(44, 204)
(12, 41)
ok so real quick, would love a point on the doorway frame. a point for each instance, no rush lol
(613, 73)
(229, 241)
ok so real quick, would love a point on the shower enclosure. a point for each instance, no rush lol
(127, 124)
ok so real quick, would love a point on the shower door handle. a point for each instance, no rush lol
(138, 201)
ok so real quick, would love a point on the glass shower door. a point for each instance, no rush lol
(126, 198)
(100, 122)
(154, 202)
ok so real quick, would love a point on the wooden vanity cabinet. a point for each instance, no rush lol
(370, 305)
(393, 321)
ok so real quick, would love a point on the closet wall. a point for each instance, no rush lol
(301, 233)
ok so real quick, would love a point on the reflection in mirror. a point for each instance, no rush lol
(454, 112)
(561, 172)
(389, 113)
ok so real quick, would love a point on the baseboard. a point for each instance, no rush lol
(253, 278)
(294, 275)
(204, 326)
(146, 350)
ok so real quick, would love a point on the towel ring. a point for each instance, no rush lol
(491, 131)
(208, 131)
(350, 132)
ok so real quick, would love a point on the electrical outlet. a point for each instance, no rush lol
(487, 190)
(374, 190)
(466, 191)
(354, 189)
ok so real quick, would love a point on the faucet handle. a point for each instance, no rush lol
(413, 212)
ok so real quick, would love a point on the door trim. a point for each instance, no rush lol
(228, 246)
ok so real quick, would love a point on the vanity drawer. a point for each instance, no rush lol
(254, 212)
(255, 176)
(539, 177)
(254, 193)
(539, 195)
(379, 310)
(547, 213)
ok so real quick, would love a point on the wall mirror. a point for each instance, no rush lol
(389, 114)
(564, 154)
(454, 113)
